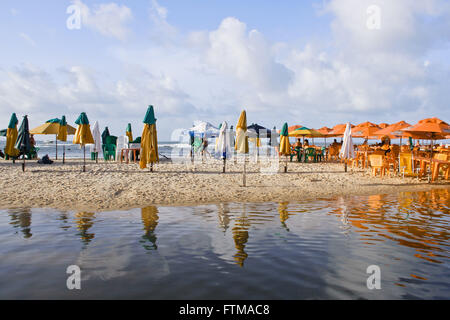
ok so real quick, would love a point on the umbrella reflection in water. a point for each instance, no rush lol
(149, 216)
(85, 221)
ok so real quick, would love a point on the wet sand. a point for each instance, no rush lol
(115, 186)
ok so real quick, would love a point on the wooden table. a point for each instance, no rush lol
(127, 152)
(435, 164)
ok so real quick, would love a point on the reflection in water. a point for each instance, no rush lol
(284, 215)
(323, 254)
(416, 220)
(64, 218)
(240, 236)
(21, 218)
(223, 213)
(149, 216)
(84, 221)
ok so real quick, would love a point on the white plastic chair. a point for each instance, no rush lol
(122, 143)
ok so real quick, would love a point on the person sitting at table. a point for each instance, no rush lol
(306, 144)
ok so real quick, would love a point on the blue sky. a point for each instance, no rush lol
(313, 63)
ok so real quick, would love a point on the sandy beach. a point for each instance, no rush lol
(114, 186)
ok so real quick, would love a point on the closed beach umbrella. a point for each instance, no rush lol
(285, 146)
(62, 132)
(11, 137)
(97, 145)
(347, 150)
(224, 143)
(241, 144)
(259, 132)
(105, 134)
(129, 133)
(83, 135)
(23, 142)
(149, 141)
(62, 136)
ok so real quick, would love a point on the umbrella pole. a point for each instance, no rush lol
(244, 173)
(56, 148)
(345, 165)
(23, 164)
(84, 158)
(285, 164)
(64, 154)
(224, 164)
(151, 167)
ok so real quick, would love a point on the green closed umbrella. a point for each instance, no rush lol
(23, 143)
(105, 134)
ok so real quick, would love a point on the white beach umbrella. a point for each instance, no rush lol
(203, 129)
(347, 150)
(97, 146)
(223, 146)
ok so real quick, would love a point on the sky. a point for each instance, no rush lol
(311, 63)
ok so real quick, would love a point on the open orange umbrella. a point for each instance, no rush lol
(383, 125)
(365, 130)
(338, 130)
(393, 131)
(430, 129)
(291, 128)
(325, 131)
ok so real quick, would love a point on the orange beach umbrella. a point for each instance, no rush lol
(365, 130)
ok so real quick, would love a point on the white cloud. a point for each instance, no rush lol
(109, 19)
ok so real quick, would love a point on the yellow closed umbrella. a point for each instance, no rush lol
(11, 137)
(149, 141)
(285, 146)
(83, 135)
(241, 145)
(129, 133)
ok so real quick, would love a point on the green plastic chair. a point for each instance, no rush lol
(321, 154)
(298, 153)
(109, 148)
(310, 152)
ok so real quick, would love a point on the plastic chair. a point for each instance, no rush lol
(122, 143)
(377, 163)
(109, 148)
(321, 154)
(297, 152)
(310, 153)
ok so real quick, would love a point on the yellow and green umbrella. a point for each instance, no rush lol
(83, 135)
(58, 127)
(305, 132)
(129, 133)
(11, 137)
(285, 146)
(149, 140)
(241, 145)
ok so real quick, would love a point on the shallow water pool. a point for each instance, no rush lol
(303, 250)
